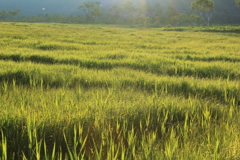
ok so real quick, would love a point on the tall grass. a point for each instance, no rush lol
(105, 92)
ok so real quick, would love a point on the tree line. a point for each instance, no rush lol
(147, 15)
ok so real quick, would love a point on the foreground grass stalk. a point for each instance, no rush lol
(171, 146)
(4, 147)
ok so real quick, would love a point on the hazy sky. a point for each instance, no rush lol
(60, 6)
(67, 7)
(35, 6)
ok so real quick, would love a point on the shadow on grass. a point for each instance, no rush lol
(219, 29)
(199, 72)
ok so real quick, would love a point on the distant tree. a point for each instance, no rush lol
(3, 14)
(78, 19)
(58, 18)
(150, 14)
(33, 18)
(156, 14)
(115, 14)
(47, 17)
(129, 12)
(187, 19)
(23, 18)
(157, 22)
(179, 19)
(204, 6)
(172, 16)
(92, 10)
(142, 21)
(14, 13)
(192, 18)
(238, 2)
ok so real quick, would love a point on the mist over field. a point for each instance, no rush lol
(67, 7)
(63, 6)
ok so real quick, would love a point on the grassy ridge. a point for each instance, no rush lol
(108, 92)
(161, 67)
(33, 75)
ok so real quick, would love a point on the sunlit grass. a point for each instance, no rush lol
(109, 92)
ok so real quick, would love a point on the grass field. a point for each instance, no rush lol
(110, 92)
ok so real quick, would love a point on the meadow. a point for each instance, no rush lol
(104, 92)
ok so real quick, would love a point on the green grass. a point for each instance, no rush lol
(109, 92)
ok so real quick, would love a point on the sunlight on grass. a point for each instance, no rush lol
(108, 92)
